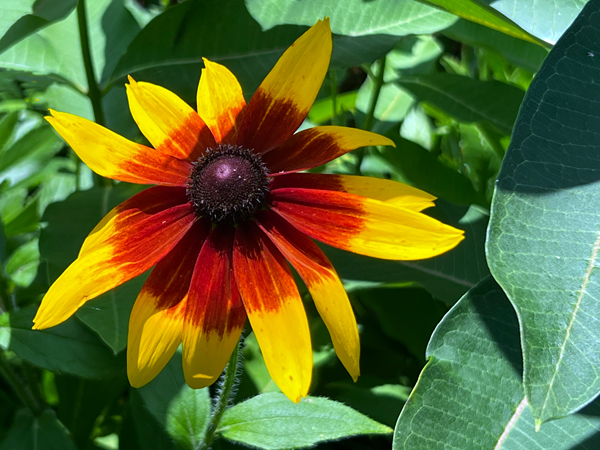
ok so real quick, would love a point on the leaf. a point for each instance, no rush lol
(22, 265)
(169, 50)
(272, 421)
(484, 14)
(544, 238)
(447, 277)
(37, 433)
(521, 53)
(108, 315)
(353, 17)
(69, 347)
(25, 17)
(470, 396)
(535, 16)
(469, 100)
(182, 411)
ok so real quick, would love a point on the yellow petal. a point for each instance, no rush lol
(283, 99)
(275, 310)
(113, 156)
(169, 123)
(323, 284)
(220, 101)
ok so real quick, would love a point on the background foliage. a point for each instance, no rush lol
(491, 346)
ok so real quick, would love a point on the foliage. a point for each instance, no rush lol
(494, 345)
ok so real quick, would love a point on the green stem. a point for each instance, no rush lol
(378, 80)
(22, 390)
(229, 381)
(93, 90)
(334, 95)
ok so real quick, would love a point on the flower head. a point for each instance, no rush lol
(230, 206)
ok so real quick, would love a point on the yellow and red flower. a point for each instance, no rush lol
(228, 209)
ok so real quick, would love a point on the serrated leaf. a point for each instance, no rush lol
(69, 347)
(44, 432)
(272, 421)
(469, 100)
(543, 237)
(470, 396)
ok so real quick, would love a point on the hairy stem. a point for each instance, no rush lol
(222, 401)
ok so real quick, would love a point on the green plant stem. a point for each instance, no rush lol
(368, 124)
(229, 381)
(334, 94)
(23, 391)
(93, 90)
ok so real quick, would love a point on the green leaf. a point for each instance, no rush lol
(169, 50)
(534, 16)
(21, 266)
(447, 277)
(44, 432)
(469, 100)
(70, 221)
(354, 17)
(484, 14)
(182, 411)
(470, 396)
(25, 17)
(543, 237)
(272, 421)
(108, 315)
(521, 53)
(69, 347)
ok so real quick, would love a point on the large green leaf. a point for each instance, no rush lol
(69, 347)
(44, 432)
(272, 421)
(545, 19)
(469, 100)
(470, 396)
(169, 50)
(479, 12)
(543, 236)
(353, 17)
(25, 17)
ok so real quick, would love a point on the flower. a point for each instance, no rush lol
(228, 209)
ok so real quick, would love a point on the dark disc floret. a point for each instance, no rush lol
(228, 184)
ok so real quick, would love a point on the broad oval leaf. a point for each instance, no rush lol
(543, 237)
(353, 17)
(470, 396)
(44, 432)
(272, 421)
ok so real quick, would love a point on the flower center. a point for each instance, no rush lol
(228, 184)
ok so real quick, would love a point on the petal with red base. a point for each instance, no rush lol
(113, 156)
(214, 314)
(365, 226)
(157, 318)
(317, 146)
(220, 101)
(134, 210)
(323, 284)
(129, 252)
(275, 310)
(169, 123)
(391, 192)
(284, 98)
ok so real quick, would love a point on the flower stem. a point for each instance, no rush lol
(21, 389)
(93, 90)
(334, 97)
(222, 401)
(368, 124)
